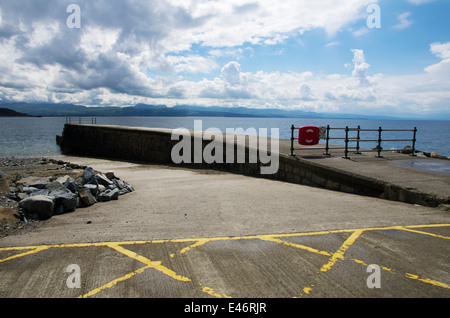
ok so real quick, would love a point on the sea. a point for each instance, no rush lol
(25, 137)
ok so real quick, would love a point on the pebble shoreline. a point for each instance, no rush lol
(58, 180)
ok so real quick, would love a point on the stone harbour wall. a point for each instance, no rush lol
(155, 145)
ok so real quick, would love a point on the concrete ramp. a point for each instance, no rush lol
(396, 176)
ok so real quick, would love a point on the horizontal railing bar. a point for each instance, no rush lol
(397, 139)
(398, 130)
(354, 129)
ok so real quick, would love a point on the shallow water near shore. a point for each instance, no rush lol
(36, 137)
(442, 166)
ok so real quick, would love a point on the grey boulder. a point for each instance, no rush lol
(108, 195)
(39, 205)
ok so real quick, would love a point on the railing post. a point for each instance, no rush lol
(327, 146)
(292, 140)
(346, 143)
(414, 142)
(357, 141)
(379, 142)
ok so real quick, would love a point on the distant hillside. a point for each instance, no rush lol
(64, 110)
(67, 110)
(6, 112)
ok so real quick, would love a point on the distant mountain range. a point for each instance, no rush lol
(71, 110)
(6, 112)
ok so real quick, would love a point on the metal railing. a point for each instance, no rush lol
(81, 120)
(358, 140)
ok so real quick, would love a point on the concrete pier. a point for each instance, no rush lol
(396, 176)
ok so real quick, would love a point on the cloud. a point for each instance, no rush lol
(331, 44)
(138, 39)
(306, 93)
(232, 73)
(420, 1)
(441, 69)
(360, 32)
(232, 23)
(404, 23)
(191, 63)
(441, 50)
(179, 51)
(360, 67)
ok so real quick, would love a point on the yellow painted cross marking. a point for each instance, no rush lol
(424, 233)
(302, 247)
(339, 254)
(33, 250)
(276, 238)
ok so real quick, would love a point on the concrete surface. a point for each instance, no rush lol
(426, 175)
(201, 233)
(396, 176)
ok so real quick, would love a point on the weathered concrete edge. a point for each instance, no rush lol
(154, 146)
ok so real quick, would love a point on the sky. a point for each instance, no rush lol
(385, 57)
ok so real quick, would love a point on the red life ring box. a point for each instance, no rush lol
(308, 135)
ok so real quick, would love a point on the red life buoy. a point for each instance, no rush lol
(308, 135)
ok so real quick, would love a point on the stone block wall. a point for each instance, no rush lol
(155, 146)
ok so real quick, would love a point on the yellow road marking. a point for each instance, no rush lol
(426, 280)
(424, 233)
(211, 292)
(303, 247)
(113, 283)
(198, 243)
(224, 238)
(150, 264)
(339, 254)
(34, 250)
(153, 264)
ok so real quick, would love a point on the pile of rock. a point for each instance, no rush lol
(408, 150)
(42, 197)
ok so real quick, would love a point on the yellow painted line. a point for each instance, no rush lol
(150, 264)
(114, 282)
(35, 250)
(307, 290)
(303, 247)
(390, 270)
(409, 275)
(339, 254)
(99, 244)
(154, 264)
(427, 225)
(428, 281)
(424, 233)
(199, 243)
(211, 292)
(17, 248)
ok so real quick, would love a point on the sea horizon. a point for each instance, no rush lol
(36, 136)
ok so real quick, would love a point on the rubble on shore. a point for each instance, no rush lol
(35, 189)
